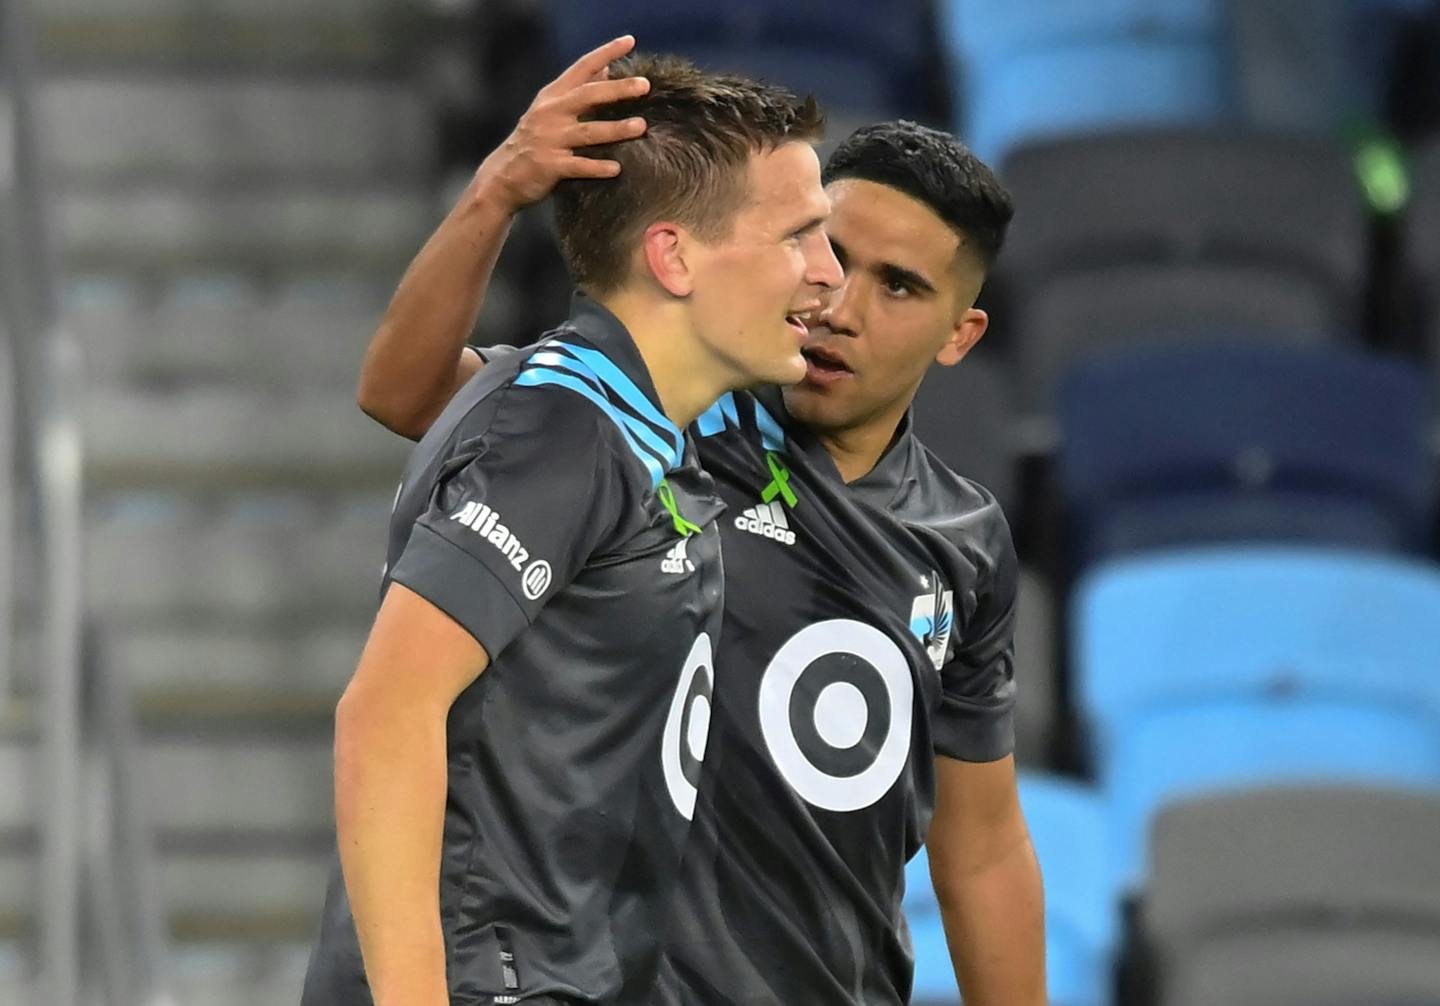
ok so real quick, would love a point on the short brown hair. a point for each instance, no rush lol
(687, 167)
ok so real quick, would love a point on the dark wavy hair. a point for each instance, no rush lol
(935, 168)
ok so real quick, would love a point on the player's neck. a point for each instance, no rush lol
(685, 378)
(857, 450)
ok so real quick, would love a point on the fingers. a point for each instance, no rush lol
(602, 92)
(593, 134)
(586, 167)
(586, 67)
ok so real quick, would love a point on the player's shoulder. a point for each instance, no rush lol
(958, 507)
(564, 386)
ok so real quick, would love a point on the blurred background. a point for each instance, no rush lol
(1205, 401)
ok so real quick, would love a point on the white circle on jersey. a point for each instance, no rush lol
(687, 727)
(835, 716)
(698, 732)
(536, 579)
(841, 715)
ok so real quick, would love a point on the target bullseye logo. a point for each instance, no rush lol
(835, 711)
(687, 727)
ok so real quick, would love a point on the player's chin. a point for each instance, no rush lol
(787, 371)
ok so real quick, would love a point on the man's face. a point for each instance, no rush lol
(906, 301)
(754, 286)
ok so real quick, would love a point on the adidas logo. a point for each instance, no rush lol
(767, 520)
(676, 561)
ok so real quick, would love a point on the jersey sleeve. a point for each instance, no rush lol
(516, 512)
(975, 720)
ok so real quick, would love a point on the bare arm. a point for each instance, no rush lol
(417, 359)
(390, 785)
(988, 884)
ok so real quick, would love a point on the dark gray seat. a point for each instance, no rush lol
(1320, 896)
(1287, 204)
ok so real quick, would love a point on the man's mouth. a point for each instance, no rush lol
(824, 366)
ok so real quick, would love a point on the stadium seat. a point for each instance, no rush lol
(1067, 825)
(1287, 205)
(218, 436)
(280, 225)
(1064, 318)
(236, 127)
(1422, 247)
(1033, 70)
(862, 62)
(1294, 895)
(1317, 445)
(314, 330)
(1209, 669)
(965, 415)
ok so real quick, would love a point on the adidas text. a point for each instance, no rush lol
(676, 561)
(486, 523)
(767, 520)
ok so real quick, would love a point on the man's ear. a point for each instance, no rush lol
(969, 327)
(665, 246)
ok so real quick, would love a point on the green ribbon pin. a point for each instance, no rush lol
(780, 482)
(667, 496)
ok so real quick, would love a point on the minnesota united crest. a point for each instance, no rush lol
(931, 617)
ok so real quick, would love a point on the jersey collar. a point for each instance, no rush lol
(597, 325)
(882, 486)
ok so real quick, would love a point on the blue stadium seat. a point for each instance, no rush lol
(1216, 668)
(1033, 69)
(1082, 912)
(862, 59)
(1312, 445)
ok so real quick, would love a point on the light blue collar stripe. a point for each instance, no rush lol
(714, 419)
(772, 437)
(622, 385)
(538, 377)
(645, 432)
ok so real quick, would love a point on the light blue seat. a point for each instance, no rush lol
(1200, 670)
(1036, 69)
(1082, 911)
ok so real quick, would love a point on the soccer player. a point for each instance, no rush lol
(863, 689)
(518, 752)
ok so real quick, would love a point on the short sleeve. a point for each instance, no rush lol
(515, 514)
(975, 721)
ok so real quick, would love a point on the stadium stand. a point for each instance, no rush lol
(1242, 231)
(1217, 668)
(236, 189)
(1245, 443)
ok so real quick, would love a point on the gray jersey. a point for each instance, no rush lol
(868, 628)
(555, 514)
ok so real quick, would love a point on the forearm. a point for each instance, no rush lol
(390, 786)
(994, 915)
(413, 365)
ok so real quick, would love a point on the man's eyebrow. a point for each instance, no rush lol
(892, 273)
(809, 225)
